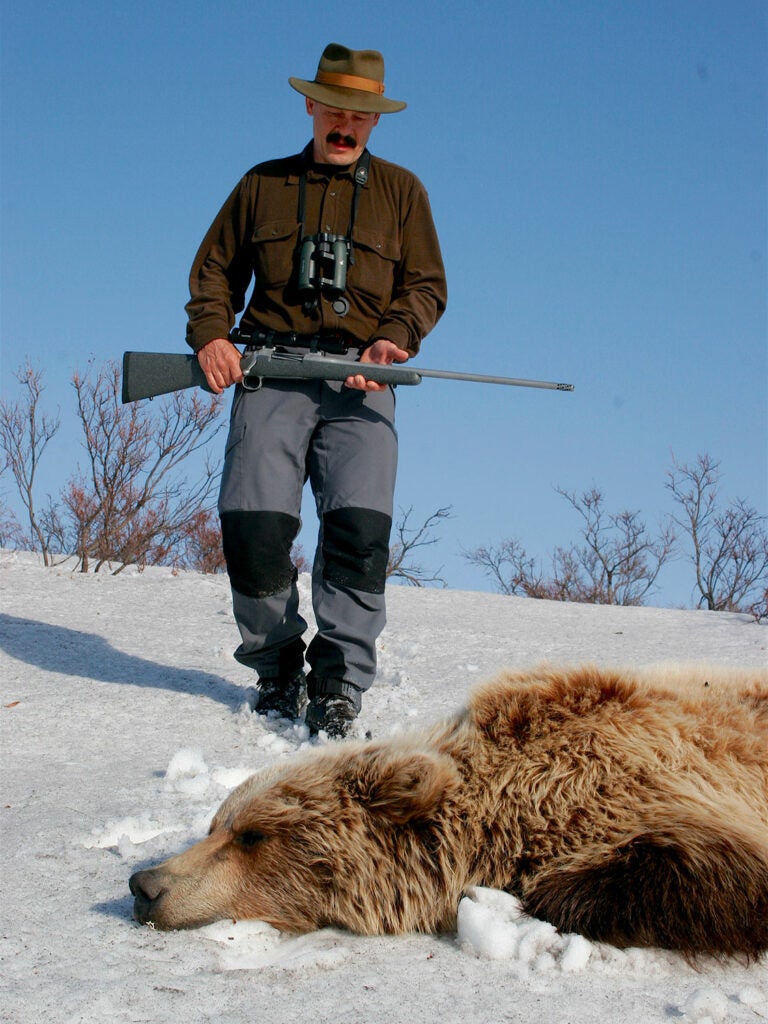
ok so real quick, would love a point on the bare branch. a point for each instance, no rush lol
(511, 570)
(11, 533)
(409, 539)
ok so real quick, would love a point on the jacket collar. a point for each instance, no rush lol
(303, 163)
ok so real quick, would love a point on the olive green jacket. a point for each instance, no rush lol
(395, 287)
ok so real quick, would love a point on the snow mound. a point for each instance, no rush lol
(492, 925)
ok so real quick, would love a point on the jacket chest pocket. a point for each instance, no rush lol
(376, 263)
(274, 246)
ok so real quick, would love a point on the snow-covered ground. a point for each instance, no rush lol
(125, 723)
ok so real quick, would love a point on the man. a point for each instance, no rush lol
(344, 258)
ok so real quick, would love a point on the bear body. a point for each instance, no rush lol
(629, 809)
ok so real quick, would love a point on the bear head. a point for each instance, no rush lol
(331, 839)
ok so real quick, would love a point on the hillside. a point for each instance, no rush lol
(124, 723)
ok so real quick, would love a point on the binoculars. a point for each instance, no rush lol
(323, 264)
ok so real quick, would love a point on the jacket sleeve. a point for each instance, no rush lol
(420, 293)
(222, 269)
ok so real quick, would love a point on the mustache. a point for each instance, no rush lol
(336, 138)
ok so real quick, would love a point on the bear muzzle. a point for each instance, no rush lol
(156, 902)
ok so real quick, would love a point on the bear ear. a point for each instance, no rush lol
(408, 787)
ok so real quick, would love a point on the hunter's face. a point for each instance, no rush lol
(340, 136)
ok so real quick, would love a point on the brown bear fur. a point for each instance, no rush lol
(630, 809)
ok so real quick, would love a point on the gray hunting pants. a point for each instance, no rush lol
(344, 442)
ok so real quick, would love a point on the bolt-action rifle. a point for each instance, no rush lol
(147, 374)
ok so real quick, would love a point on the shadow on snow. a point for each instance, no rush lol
(89, 656)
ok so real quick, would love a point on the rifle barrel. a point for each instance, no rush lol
(481, 378)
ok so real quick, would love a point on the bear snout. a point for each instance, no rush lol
(148, 890)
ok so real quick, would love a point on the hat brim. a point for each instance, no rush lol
(347, 99)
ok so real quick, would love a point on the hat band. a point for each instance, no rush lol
(349, 81)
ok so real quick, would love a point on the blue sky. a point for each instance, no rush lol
(597, 172)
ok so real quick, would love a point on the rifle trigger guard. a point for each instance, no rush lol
(252, 383)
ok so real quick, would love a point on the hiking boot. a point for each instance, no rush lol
(332, 714)
(288, 697)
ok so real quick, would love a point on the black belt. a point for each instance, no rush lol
(334, 342)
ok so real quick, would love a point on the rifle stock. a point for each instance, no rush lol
(148, 374)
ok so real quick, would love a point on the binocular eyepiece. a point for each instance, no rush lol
(323, 264)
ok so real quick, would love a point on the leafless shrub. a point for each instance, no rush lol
(130, 504)
(11, 533)
(616, 563)
(199, 543)
(728, 545)
(760, 608)
(25, 432)
(299, 559)
(510, 568)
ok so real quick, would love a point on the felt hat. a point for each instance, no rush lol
(349, 80)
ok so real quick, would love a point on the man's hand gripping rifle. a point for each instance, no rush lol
(147, 374)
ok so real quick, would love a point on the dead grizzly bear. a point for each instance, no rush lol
(631, 810)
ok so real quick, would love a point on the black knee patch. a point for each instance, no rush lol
(356, 548)
(257, 549)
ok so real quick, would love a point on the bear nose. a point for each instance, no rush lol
(147, 889)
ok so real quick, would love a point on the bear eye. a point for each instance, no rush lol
(249, 839)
